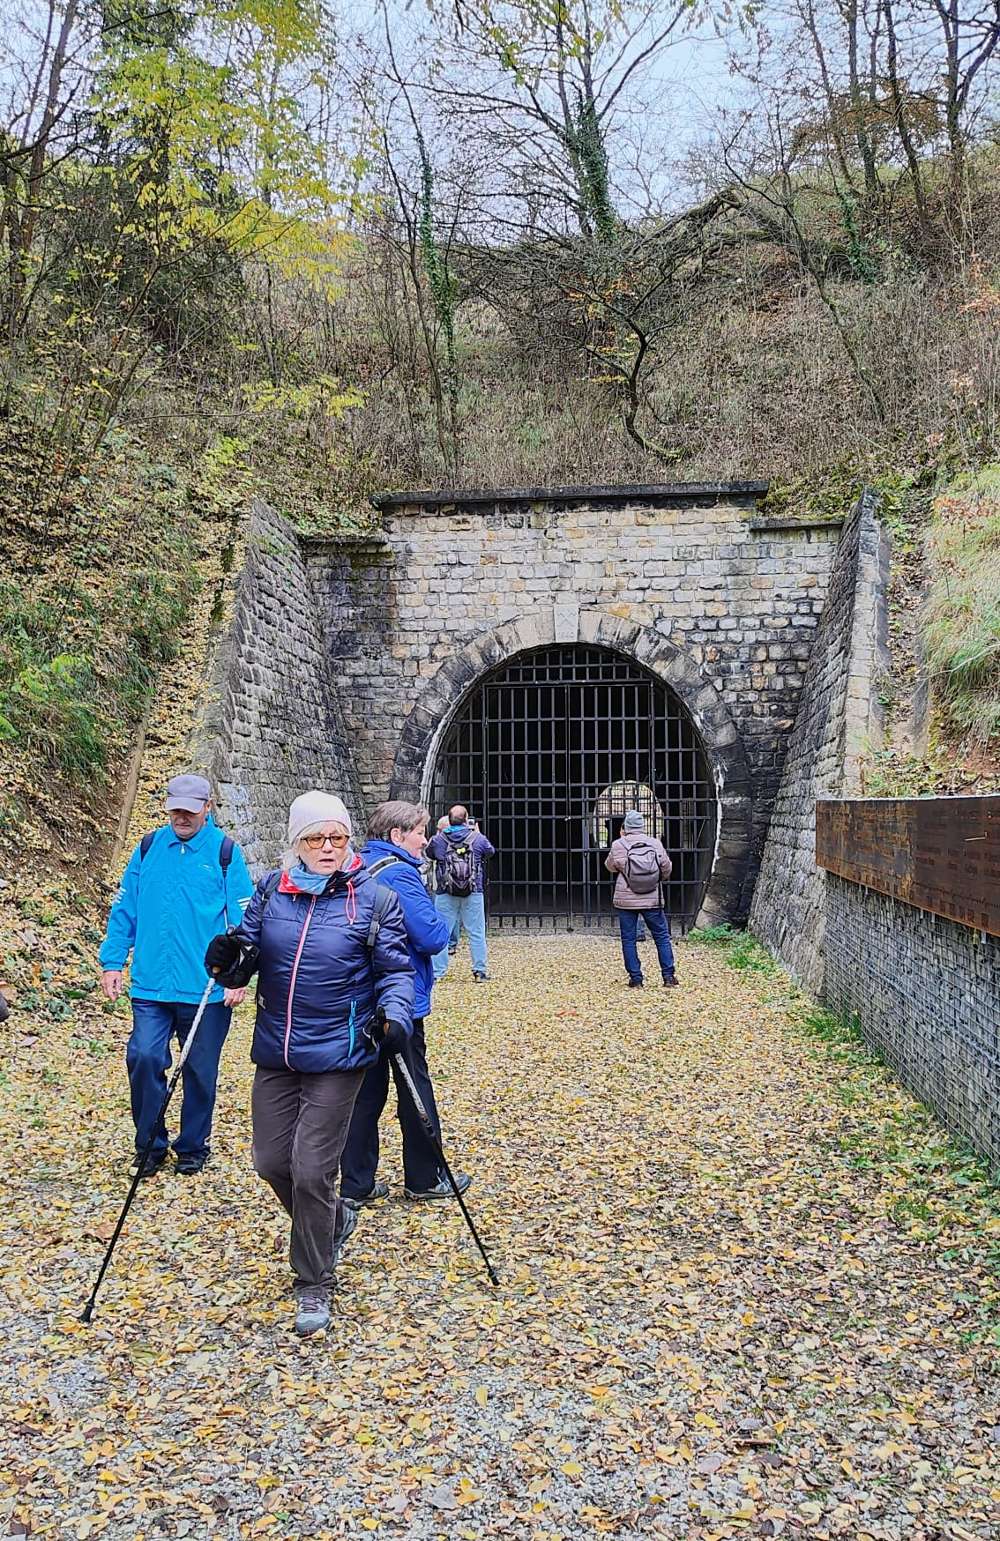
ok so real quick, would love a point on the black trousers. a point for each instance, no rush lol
(359, 1162)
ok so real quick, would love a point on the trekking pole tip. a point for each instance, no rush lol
(87, 1314)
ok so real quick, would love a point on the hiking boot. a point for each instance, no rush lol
(635, 984)
(350, 1217)
(191, 1163)
(442, 1189)
(312, 1309)
(479, 976)
(378, 1190)
(155, 1162)
(670, 982)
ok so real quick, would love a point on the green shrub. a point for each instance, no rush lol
(712, 936)
(47, 706)
(962, 626)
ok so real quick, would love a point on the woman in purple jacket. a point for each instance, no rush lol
(335, 981)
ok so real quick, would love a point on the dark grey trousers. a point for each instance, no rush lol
(300, 1124)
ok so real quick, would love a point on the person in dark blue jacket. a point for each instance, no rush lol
(393, 853)
(335, 980)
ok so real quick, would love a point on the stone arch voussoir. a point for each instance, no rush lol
(431, 715)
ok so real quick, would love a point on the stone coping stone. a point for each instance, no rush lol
(658, 492)
(820, 522)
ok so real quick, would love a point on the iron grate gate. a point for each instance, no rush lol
(549, 752)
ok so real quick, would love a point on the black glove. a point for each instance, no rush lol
(232, 961)
(391, 1036)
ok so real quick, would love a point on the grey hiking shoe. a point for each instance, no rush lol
(378, 1190)
(442, 1189)
(312, 1309)
(344, 1235)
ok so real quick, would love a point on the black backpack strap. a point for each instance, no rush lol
(383, 898)
(270, 889)
(225, 849)
(381, 864)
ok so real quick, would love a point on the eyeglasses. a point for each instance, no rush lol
(317, 842)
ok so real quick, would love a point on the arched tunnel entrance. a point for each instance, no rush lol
(549, 751)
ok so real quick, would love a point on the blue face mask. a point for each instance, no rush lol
(309, 882)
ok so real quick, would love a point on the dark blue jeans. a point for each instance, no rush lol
(658, 927)
(359, 1162)
(147, 1059)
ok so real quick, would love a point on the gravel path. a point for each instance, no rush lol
(720, 1313)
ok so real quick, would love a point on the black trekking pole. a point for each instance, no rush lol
(88, 1310)
(436, 1145)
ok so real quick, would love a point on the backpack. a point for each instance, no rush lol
(457, 874)
(642, 868)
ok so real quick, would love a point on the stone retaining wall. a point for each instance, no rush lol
(270, 726)
(838, 716)
(926, 994)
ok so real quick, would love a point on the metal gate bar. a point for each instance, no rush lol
(549, 751)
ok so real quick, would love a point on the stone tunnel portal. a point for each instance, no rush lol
(549, 751)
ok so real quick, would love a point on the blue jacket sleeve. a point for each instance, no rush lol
(239, 888)
(484, 847)
(119, 938)
(392, 968)
(427, 930)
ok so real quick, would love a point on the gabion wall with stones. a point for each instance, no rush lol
(689, 580)
(270, 725)
(926, 994)
(838, 717)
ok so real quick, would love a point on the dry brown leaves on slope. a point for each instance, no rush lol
(709, 1323)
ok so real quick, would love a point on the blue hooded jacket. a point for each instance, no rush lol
(426, 930)
(169, 905)
(319, 983)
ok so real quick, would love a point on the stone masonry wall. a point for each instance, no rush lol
(926, 994)
(270, 725)
(738, 596)
(838, 714)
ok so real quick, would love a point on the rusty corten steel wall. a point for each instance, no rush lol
(941, 854)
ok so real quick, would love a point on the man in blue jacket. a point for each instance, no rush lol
(393, 855)
(184, 883)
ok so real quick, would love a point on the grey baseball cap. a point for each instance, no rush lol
(188, 792)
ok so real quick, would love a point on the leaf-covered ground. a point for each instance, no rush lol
(746, 1291)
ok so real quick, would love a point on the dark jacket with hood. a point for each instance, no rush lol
(426, 930)
(451, 838)
(319, 984)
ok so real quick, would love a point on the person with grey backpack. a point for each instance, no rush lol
(642, 866)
